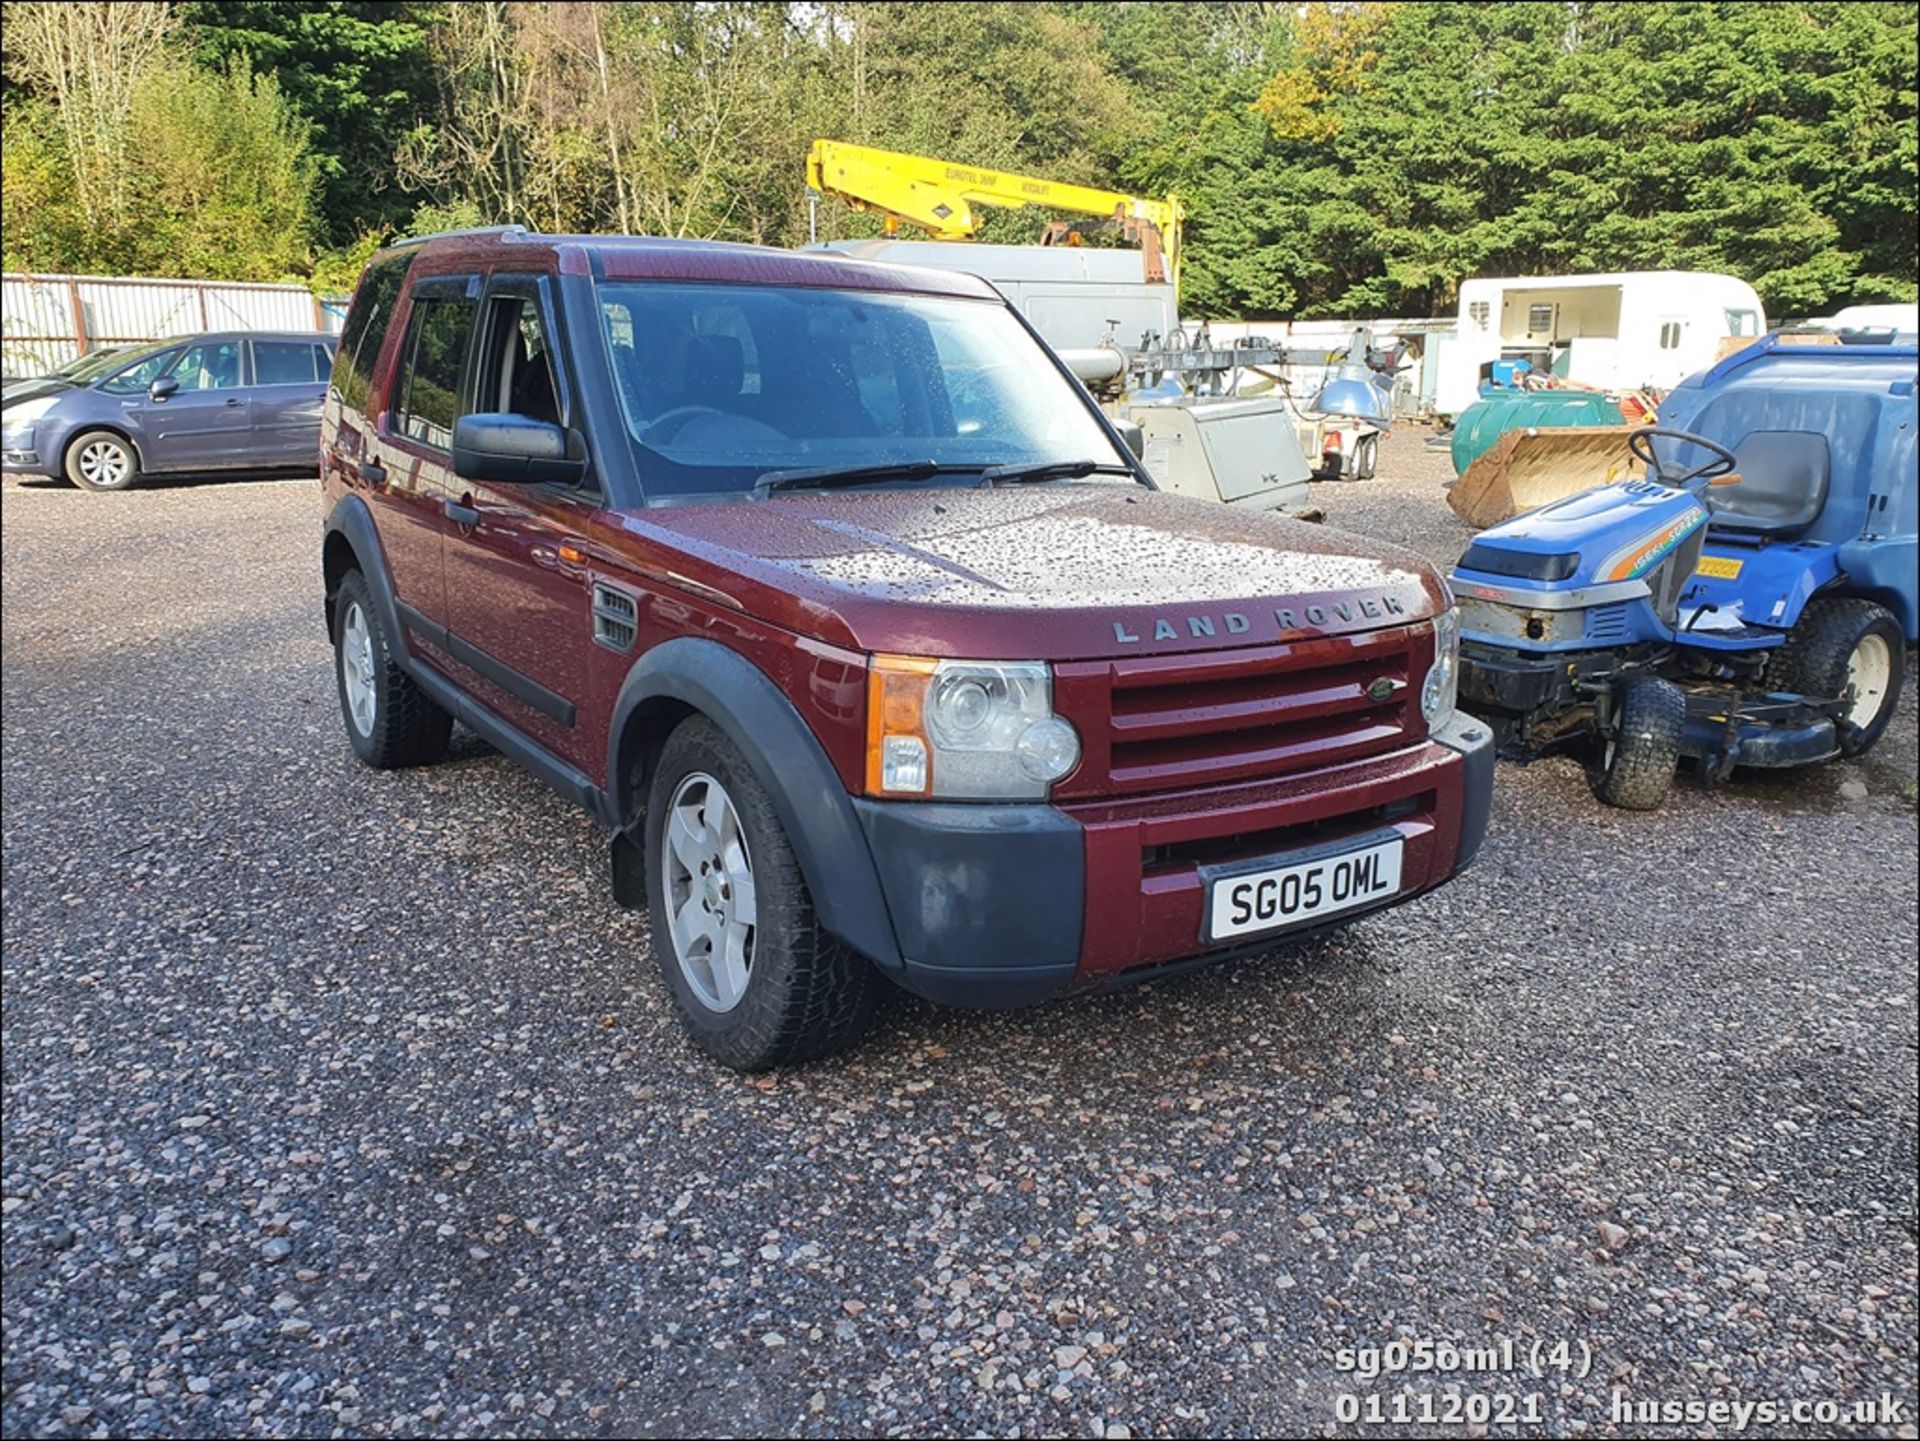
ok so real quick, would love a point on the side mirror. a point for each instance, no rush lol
(1134, 436)
(515, 450)
(162, 388)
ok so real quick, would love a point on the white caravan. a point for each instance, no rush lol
(1630, 331)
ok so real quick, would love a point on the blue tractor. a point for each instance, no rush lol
(1748, 603)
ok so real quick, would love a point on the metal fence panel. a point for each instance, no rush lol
(50, 319)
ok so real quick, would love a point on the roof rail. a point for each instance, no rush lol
(448, 234)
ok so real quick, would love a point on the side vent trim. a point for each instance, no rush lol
(616, 617)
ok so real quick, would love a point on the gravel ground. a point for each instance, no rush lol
(347, 1103)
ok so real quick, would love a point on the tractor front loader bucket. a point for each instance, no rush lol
(1525, 469)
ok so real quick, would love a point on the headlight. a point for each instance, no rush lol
(25, 412)
(1437, 696)
(965, 730)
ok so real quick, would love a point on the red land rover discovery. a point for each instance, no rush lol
(829, 590)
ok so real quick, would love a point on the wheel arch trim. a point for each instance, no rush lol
(818, 815)
(353, 522)
(86, 428)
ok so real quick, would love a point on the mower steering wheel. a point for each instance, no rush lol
(1640, 446)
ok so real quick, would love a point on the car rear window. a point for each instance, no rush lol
(366, 327)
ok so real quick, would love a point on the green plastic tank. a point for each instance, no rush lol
(1492, 416)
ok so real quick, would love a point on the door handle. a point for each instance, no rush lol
(461, 514)
(233, 400)
(373, 472)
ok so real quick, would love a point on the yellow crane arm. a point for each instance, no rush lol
(938, 196)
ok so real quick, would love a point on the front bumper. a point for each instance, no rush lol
(18, 451)
(1530, 698)
(1000, 906)
(1513, 681)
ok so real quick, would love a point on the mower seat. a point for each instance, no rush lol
(1783, 485)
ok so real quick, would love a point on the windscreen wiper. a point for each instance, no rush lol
(1026, 471)
(832, 477)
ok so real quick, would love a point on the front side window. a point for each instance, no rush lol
(1743, 322)
(517, 376)
(429, 382)
(138, 376)
(209, 366)
(721, 384)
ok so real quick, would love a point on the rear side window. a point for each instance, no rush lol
(428, 387)
(285, 362)
(366, 328)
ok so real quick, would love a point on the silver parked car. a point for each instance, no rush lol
(240, 400)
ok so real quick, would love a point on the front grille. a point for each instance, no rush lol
(1176, 722)
(1276, 840)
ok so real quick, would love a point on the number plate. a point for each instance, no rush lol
(1274, 897)
(1718, 567)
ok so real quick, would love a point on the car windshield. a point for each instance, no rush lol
(94, 364)
(723, 384)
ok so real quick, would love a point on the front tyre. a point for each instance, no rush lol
(757, 981)
(1845, 649)
(99, 460)
(391, 722)
(1636, 764)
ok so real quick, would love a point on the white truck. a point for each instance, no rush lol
(1632, 330)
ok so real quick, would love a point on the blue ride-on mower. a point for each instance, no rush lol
(1749, 602)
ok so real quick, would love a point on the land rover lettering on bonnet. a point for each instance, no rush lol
(829, 592)
(1285, 619)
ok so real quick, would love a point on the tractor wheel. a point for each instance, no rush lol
(1636, 764)
(1845, 648)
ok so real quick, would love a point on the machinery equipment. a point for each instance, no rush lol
(1749, 603)
(938, 196)
(1180, 389)
(1498, 413)
(1524, 469)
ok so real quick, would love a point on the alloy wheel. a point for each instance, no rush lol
(356, 668)
(709, 889)
(103, 463)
